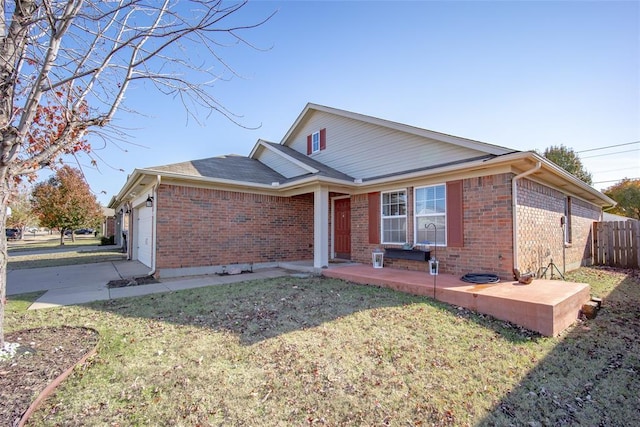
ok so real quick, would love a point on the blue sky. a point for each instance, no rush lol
(524, 75)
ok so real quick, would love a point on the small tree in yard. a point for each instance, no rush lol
(21, 213)
(627, 194)
(65, 202)
(568, 160)
(65, 66)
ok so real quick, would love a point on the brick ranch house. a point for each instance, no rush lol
(340, 185)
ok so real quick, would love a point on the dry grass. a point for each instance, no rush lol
(318, 351)
(74, 256)
(39, 242)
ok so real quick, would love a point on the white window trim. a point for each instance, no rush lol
(416, 216)
(383, 217)
(315, 138)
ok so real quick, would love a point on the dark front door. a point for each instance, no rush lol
(342, 228)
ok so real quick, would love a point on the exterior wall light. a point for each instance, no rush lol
(149, 201)
(378, 258)
(433, 266)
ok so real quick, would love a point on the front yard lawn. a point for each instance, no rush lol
(316, 351)
(68, 257)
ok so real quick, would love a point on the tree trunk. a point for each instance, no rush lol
(4, 197)
(62, 237)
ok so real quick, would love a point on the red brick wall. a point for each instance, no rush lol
(488, 237)
(361, 249)
(541, 237)
(110, 229)
(202, 227)
(487, 231)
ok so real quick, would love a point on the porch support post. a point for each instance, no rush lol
(321, 227)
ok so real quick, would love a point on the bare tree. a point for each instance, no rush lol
(65, 66)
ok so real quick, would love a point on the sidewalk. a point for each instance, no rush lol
(80, 284)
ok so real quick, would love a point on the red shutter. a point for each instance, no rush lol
(308, 144)
(323, 139)
(374, 218)
(455, 215)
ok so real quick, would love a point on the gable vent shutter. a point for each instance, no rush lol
(323, 139)
(374, 218)
(455, 215)
(308, 144)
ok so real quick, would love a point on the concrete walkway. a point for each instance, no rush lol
(79, 284)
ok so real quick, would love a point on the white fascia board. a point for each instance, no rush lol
(112, 202)
(549, 167)
(420, 174)
(135, 177)
(299, 119)
(291, 159)
(557, 170)
(259, 143)
(279, 189)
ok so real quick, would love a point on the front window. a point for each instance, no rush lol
(431, 215)
(394, 217)
(315, 142)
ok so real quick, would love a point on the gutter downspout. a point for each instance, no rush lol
(128, 207)
(514, 202)
(154, 227)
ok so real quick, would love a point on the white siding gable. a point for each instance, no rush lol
(366, 150)
(281, 163)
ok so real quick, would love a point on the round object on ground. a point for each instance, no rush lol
(480, 278)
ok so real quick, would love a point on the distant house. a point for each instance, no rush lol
(340, 185)
(606, 216)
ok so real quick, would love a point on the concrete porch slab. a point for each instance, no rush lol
(545, 306)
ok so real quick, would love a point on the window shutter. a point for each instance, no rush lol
(323, 139)
(309, 144)
(374, 218)
(455, 214)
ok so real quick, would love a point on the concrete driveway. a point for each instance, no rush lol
(72, 284)
(86, 276)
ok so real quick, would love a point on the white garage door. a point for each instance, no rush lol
(144, 242)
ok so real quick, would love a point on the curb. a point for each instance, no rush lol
(49, 389)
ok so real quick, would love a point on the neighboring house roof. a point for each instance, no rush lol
(606, 216)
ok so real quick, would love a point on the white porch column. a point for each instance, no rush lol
(321, 227)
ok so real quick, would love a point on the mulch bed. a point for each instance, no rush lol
(43, 355)
(135, 281)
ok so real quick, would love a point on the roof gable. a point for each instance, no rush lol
(310, 108)
(364, 147)
(304, 164)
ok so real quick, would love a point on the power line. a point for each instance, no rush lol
(613, 170)
(608, 154)
(609, 146)
(614, 180)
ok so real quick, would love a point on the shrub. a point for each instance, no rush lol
(111, 240)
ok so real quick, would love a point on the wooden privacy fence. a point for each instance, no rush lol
(615, 243)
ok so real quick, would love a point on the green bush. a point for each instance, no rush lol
(111, 240)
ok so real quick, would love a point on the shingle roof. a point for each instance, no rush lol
(233, 167)
(323, 170)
